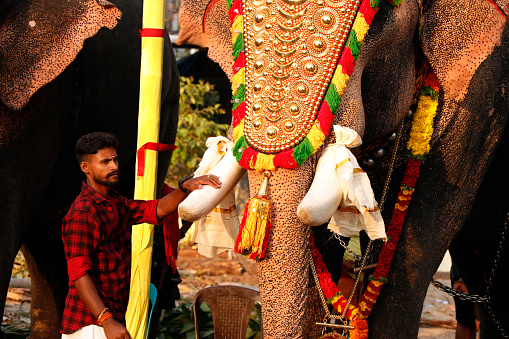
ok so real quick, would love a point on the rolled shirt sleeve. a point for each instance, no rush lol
(140, 211)
(80, 234)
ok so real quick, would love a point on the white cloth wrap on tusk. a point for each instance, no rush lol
(341, 190)
(214, 210)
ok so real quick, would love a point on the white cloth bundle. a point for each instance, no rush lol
(341, 190)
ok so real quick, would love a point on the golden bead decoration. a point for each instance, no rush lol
(257, 87)
(289, 126)
(327, 20)
(259, 17)
(257, 107)
(302, 89)
(271, 132)
(294, 109)
(257, 124)
(310, 67)
(259, 41)
(318, 44)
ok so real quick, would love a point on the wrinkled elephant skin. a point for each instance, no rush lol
(90, 83)
(467, 46)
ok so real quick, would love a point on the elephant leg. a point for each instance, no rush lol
(284, 272)
(10, 244)
(48, 271)
(473, 252)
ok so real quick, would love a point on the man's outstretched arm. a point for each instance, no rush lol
(170, 202)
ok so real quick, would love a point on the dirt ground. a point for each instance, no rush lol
(197, 272)
(437, 320)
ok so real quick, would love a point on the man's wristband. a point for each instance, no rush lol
(105, 317)
(181, 184)
(105, 314)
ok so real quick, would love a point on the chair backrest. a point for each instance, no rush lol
(152, 299)
(230, 306)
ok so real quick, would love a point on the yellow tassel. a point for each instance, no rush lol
(255, 226)
(264, 162)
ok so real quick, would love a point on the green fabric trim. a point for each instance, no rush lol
(375, 3)
(238, 46)
(382, 278)
(302, 151)
(333, 99)
(229, 3)
(238, 97)
(421, 158)
(241, 143)
(354, 44)
(405, 187)
(427, 90)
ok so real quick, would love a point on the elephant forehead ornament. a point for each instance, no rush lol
(292, 62)
(291, 49)
(293, 59)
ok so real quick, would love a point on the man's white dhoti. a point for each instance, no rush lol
(87, 332)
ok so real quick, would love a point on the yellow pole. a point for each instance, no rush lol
(152, 49)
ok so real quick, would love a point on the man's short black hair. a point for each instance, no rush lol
(93, 142)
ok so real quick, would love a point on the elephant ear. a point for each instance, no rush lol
(457, 36)
(40, 38)
(206, 23)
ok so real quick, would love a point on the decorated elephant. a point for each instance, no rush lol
(67, 69)
(300, 67)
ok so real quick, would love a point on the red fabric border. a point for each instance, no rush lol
(239, 114)
(347, 61)
(152, 33)
(153, 146)
(325, 117)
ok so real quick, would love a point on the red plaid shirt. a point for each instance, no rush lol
(97, 240)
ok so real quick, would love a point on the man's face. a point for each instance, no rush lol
(103, 167)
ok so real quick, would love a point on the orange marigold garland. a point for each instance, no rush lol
(418, 148)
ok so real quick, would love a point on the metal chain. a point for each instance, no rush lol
(391, 166)
(359, 275)
(489, 284)
(358, 258)
(461, 295)
(363, 259)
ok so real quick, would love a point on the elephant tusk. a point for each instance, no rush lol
(201, 202)
(325, 193)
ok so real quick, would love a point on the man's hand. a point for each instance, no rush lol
(460, 286)
(198, 182)
(114, 330)
(170, 202)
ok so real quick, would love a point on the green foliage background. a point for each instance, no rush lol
(198, 109)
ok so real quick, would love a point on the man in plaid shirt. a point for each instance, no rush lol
(97, 240)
